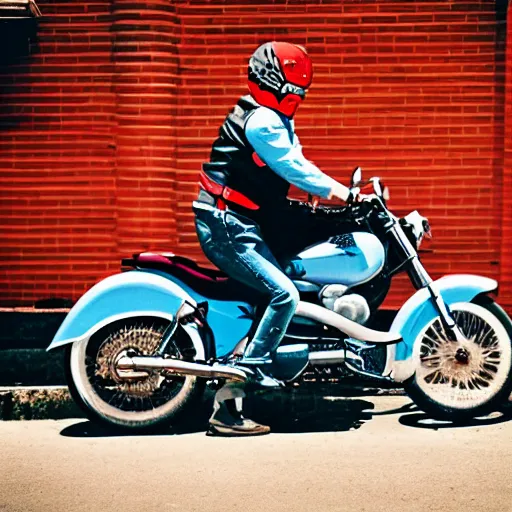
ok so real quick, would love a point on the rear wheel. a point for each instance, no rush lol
(151, 400)
(457, 381)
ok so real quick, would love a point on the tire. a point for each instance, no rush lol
(488, 378)
(85, 372)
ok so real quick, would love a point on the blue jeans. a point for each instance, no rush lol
(234, 244)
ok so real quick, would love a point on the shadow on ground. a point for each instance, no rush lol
(287, 412)
(297, 411)
(421, 420)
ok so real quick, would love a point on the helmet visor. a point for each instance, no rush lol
(293, 89)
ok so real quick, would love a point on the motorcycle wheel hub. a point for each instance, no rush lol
(462, 356)
(133, 341)
(456, 362)
(467, 372)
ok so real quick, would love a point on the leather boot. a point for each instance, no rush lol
(228, 420)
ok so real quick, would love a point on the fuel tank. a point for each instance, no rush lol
(348, 259)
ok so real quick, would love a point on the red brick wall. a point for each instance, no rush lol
(57, 163)
(506, 243)
(145, 38)
(103, 129)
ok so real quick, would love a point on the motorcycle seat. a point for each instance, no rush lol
(210, 283)
(168, 259)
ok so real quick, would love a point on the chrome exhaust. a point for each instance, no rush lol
(323, 357)
(126, 366)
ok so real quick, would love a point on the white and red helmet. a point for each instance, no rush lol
(279, 75)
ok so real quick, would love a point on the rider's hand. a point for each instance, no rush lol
(349, 195)
(340, 191)
(355, 195)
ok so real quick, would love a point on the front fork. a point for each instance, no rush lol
(421, 279)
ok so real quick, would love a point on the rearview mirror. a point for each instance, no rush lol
(357, 176)
(376, 186)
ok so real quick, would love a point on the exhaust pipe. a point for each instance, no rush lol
(127, 365)
(324, 357)
(135, 367)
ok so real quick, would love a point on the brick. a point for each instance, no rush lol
(115, 111)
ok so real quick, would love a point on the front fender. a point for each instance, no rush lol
(418, 311)
(125, 295)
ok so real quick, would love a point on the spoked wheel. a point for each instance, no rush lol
(460, 380)
(148, 398)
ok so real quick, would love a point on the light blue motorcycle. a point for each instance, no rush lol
(142, 344)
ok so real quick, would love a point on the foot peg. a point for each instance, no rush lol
(267, 381)
(258, 368)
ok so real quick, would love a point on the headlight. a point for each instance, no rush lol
(419, 226)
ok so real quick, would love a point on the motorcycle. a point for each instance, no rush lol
(141, 345)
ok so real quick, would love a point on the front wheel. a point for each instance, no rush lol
(153, 399)
(455, 380)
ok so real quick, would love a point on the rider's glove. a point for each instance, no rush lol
(354, 195)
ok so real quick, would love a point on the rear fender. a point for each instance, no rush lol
(126, 295)
(418, 311)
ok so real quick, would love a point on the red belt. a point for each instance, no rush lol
(225, 193)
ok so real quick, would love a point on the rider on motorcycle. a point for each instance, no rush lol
(243, 193)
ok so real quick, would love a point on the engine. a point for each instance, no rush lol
(351, 306)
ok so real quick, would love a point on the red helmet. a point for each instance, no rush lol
(279, 74)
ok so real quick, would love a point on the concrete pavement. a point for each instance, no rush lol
(366, 454)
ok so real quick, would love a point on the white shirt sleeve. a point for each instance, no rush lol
(279, 147)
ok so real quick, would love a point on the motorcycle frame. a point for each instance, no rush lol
(154, 293)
